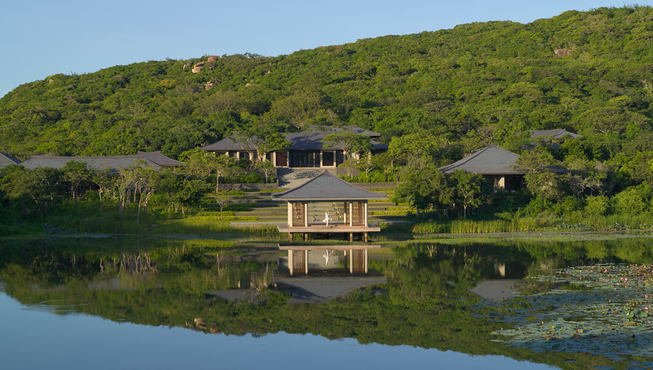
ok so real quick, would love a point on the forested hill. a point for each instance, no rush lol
(591, 72)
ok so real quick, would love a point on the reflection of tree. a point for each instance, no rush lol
(426, 303)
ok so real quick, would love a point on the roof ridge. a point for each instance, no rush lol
(326, 193)
(464, 160)
(302, 185)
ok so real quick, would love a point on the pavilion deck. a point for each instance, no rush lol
(321, 228)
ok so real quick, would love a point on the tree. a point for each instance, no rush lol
(41, 185)
(197, 162)
(141, 182)
(104, 181)
(350, 143)
(266, 168)
(221, 199)
(262, 138)
(468, 189)
(202, 164)
(224, 166)
(423, 186)
(76, 174)
(544, 175)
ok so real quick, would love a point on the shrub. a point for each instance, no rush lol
(569, 205)
(634, 200)
(597, 205)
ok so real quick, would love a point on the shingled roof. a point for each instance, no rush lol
(326, 187)
(155, 160)
(306, 140)
(159, 159)
(555, 133)
(490, 160)
(6, 160)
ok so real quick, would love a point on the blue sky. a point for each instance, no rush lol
(39, 38)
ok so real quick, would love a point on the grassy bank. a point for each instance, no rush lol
(611, 223)
(87, 217)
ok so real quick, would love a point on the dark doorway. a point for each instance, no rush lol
(282, 159)
(305, 158)
(328, 159)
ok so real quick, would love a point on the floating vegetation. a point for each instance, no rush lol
(602, 309)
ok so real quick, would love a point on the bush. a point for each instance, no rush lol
(634, 200)
(538, 205)
(597, 205)
(568, 206)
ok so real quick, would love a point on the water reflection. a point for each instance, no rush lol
(420, 294)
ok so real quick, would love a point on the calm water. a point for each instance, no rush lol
(37, 339)
(127, 303)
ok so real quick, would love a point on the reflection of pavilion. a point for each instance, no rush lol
(298, 256)
(323, 198)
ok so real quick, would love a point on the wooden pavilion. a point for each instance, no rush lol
(327, 204)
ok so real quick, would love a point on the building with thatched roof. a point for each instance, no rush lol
(306, 150)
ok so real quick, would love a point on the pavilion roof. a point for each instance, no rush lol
(326, 187)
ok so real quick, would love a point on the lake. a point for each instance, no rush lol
(79, 303)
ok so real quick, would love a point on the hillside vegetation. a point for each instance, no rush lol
(590, 72)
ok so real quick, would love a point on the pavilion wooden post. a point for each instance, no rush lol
(290, 261)
(306, 261)
(365, 233)
(305, 220)
(351, 214)
(290, 221)
(365, 255)
(351, 220)
(351, 261)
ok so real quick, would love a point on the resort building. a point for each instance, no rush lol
(306, 150)
(327, 204)
(7, 160)
(556, 133)
(496, 164)
(154, 160)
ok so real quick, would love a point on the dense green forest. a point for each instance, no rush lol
(433, 96)
(474, 84)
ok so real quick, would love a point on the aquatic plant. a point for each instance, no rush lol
(602, 309)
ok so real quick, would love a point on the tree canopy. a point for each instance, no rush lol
(469, 86)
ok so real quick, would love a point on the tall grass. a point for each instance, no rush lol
(541, 223)
(478, 227)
